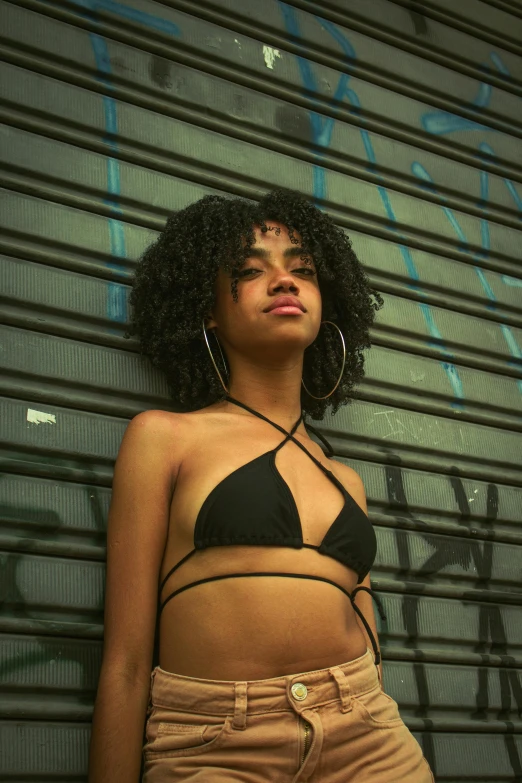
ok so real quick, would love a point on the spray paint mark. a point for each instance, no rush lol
(116, 301)
(116, 293)
(512, 281)
(322, 128)
(442, 122)
(486, 152)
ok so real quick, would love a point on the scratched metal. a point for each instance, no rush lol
(401, 119)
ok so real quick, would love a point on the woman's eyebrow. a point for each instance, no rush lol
(290, 252)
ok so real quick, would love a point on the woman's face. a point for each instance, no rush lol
(261, 320)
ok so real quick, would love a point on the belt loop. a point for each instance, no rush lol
(344, 688)
(240, 706)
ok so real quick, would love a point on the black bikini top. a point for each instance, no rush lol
(253, 505)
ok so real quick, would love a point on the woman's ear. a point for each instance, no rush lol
(210, 322)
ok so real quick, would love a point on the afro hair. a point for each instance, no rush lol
(173, 289)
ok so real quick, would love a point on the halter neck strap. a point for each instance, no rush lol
(289, 435)
(260, 415)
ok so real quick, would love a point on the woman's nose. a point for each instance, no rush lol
(284, 282)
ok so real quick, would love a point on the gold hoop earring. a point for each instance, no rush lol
(342, 368)
(213, 362)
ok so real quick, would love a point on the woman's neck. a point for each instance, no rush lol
(274, 393)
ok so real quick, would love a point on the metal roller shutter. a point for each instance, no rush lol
(403, 120)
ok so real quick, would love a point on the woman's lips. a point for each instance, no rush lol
(286, 310)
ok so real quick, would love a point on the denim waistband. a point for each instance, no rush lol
(178, 692)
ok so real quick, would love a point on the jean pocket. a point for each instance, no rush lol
(378, 709)
(172, 733)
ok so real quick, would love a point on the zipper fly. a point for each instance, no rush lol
(306, 738)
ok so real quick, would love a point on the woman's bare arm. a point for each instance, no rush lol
(144, 475)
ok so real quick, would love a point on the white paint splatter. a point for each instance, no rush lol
(39, 417)
(270, 56)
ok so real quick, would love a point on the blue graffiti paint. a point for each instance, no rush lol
(487, 153)
(321, 138)
(116, 293)
(508, 335)
(514, 195)
(431, 122)
(512, 281)
(442, 122)
(116, 298)
(427, 182)
(321, 126)
(485, 284)
(497, 61)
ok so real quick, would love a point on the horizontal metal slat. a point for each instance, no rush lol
(205, 99)
(50, 751)
(502, 18)
(444, 282)
(470, 449)
(358, 431)
(376, 61)
(461, 36)
(235, 157)
(59, 365)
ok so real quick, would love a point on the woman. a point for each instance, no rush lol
(269, 666)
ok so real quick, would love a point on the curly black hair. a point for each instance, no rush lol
(173, 290)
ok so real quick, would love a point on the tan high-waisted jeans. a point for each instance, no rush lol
(338, 719)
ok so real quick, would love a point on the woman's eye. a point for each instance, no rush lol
(247, 272)
(305, 270)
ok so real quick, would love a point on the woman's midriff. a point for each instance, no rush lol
(252, 628)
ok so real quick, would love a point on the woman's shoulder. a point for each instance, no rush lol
(349, 478)
(182, 425)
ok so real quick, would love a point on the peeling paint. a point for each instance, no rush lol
(270, 56)
(39, 417)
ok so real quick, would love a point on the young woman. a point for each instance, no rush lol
(229, 525)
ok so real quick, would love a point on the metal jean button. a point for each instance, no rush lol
(299, 691)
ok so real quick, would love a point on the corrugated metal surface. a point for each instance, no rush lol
(403, 119)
